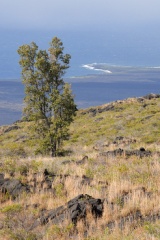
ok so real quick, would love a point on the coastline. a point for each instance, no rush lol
(89, 90)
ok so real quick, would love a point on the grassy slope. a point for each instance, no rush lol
(129, 118)
(98, 128)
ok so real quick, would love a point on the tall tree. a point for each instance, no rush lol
(48, 99)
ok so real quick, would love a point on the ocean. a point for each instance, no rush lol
(106, 65)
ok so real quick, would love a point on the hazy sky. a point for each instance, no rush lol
(75, 14)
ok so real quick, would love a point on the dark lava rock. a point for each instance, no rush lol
(82, 161)
(107, 108)
(142, 149)
(67, 162)
(1, 176)
(86, 180)
(13, 127)
(21, 138)
(94, 111)
(139, 153)
(151, 96)
(46, 173)
(13, 187)
(123, 140)
(74, 210)
(131, 218)
(99, 119)
(128, 153)
(114, 153)
(119, 138)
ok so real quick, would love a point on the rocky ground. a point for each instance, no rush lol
(105, 187)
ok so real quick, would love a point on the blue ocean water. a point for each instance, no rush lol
(91, 85)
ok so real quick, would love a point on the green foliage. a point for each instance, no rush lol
(56, 232)
(48, 101)
(59, 190)
(141, 178)
(89, 173)
(92, 238)
(17, 234)
(12, 209)
(8, 166)
(14, 149)
(119, 201)
(123, 168)
(36, 165)
(16, 224)
(23, 168)
(153, 229)
(23, 235)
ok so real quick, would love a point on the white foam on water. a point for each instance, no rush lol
(93, 67)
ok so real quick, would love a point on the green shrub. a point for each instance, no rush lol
(12, 209)
(36, 165)
(89, 173)
(56, 232)
(153, 229)
(59, 190)
(15, 149)
(8, 166)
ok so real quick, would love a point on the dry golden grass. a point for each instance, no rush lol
(127, 185)
(119, 181)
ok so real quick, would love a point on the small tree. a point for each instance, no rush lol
(48, 101)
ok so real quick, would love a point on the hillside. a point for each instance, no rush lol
(104, 186)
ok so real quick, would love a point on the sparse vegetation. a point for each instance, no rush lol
(113, 154)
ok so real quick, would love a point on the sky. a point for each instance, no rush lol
(74, 14)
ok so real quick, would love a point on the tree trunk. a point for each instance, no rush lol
(53, 149)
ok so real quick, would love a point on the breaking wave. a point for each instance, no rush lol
(96, 67)
(109, 68)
